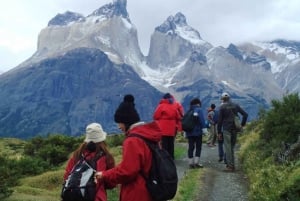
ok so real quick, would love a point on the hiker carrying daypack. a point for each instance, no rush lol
(80, 185)
(162, 180)
(189, 121)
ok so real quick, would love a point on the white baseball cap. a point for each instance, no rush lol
(225, 95)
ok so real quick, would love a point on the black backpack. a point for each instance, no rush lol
(189, 121)
(162, 180)
(80, 185)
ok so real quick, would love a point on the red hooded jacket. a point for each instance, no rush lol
(168, 116)
(136, 161)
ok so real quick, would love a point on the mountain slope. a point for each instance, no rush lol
(64, 94)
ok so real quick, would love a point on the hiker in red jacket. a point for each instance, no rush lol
(168, 117)
(94, 143)
(136, 156)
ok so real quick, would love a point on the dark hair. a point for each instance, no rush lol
(128, 98)
(99, 146)
(195, 101)
(213, 106)
(167, 96)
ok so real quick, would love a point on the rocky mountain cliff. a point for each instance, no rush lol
(84, 65)
(64, 94)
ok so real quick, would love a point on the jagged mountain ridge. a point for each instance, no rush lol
(179, 61)
(108, 28)
(284, 57)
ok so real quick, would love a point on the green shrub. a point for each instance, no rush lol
(270, 181)
(282, 122)
(8, 176)
(31, 166)
(55, 148)
(115, 140)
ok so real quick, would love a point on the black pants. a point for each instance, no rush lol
(167, 143)
(194, 141)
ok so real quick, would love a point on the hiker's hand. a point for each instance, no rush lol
(98, 175)
(220, 137)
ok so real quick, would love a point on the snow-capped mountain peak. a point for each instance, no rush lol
(177, 25)
(117, 8)
(281, 53)
(65, 19)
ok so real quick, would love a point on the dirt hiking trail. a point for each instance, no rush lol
(218, 185)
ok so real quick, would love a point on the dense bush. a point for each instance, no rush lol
(282, 122)
(8, 176)
(55, 149)
(115, 140)
(270, 180)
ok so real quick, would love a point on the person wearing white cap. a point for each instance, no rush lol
(93, 147)
(226, 124)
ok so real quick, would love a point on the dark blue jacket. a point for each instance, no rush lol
(197, 131)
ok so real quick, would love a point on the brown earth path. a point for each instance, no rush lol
(218, 185)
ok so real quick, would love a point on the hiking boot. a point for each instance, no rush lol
(192, 166)
(229, 168)
(220, 159)
(198, 165)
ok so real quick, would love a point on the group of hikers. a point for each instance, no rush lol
(136, 160)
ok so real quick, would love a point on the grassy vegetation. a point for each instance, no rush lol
(189, 185)
(270, 179)
(11, 147)
(47, 186)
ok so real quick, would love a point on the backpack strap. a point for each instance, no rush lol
(93, 161)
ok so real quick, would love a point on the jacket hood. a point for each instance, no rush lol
(150, 131)
(166, 101)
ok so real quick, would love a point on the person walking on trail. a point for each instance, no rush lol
(195, 136)
(136, 155)
(221, 152)
(168, 117)
(226, 124)
(181, 113)
(212, 118)
(93, 145)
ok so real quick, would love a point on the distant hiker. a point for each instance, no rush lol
(195, 136)
(181, 112)
(221, 152)
(94, 146)
(212, 118)
(136, 155)
(226, 124)
(168, 117)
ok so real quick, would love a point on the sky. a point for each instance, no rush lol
(219, 22)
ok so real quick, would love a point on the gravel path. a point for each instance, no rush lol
(217, 184)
